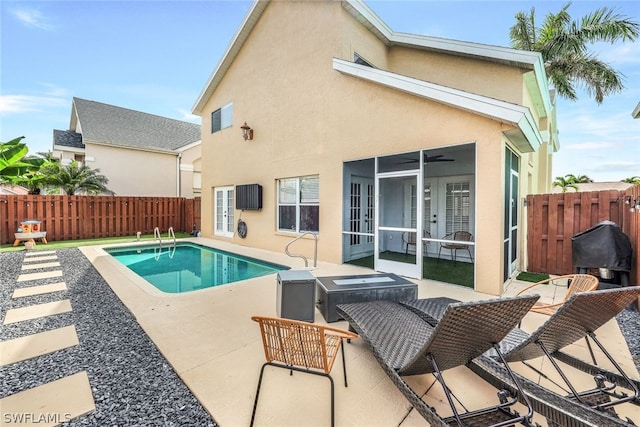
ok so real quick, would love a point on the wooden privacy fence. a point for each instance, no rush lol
(553, 219)
(88, 217)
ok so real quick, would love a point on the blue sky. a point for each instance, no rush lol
(156, 56)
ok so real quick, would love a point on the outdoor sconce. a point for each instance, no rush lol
(247, 132)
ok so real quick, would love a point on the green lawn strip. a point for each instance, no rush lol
(147, 238)
(442, 270)
(526, 276)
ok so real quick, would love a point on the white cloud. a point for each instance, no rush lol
(32, 18)
(187, 116)
(16, 104)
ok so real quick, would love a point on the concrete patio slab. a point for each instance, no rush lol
(35, 258)
(38, 253)
(30, 346)
(36, 311)
(34, 266)
(50, 404)
(38, 276)
(39, 290)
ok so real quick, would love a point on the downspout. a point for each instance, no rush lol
(178, 180)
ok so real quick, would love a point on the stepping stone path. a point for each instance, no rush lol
(60, 400)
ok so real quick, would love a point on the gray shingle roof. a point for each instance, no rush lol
(67, 138)
(108, 124)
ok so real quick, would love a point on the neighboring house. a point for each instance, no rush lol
(13, 190)
(371, 137)
(596, 186)
(141, 154)
(636, 112)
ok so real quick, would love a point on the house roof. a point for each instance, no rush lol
(110, 125)
(536, 80)
(636, 112)
(526, 136)
(67, 138)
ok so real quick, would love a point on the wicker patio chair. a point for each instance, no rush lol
(301, 346)
(404, 345)
(575, 283)
(462, 236)
(579, 317)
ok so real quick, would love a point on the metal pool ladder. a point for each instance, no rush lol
(315, 250)
(171, 235)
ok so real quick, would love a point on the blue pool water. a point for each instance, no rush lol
(187, 267)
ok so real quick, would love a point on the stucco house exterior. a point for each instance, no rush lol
(141, 154)
(371, 137)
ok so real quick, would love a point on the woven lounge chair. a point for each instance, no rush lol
(579, 317)
(405, 345)
(575, 283)
(301, 346)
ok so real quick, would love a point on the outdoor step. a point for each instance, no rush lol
(38, 253)
(37, 276)
(50, 404)
(41, 265)
(35, 311)
(39, 290)
(39, 258)
(30, 346)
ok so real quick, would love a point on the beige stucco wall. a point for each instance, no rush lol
(308, 119)
(189, 164)
(134, 172)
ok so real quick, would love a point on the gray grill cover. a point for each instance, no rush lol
(602, 246)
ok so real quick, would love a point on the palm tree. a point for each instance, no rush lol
(563, 45)
(632, 180)
(564, 183)
(75, 178)
(578, 179)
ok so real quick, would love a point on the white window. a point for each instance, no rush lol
(299, 204)
(222, 118)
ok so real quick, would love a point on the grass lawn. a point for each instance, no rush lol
(442, 270)
(86, 242)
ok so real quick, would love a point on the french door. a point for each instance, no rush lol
(223, 199)
(361, 217)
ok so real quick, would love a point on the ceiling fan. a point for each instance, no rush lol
(429, 159)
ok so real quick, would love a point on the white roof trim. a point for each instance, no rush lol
(227, 59)
(636, 112)
(527, 138)
(368, 18)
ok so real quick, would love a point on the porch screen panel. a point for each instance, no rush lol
(457, 206)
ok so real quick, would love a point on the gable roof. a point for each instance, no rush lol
(110, 125)
(526, 137)
(536, 80)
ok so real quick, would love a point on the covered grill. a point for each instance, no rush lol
(604, 247)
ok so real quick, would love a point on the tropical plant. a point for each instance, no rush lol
(75, 178)
(580, 179)
(563, 44)
(15, 166)
(565, 184)
(632, 180)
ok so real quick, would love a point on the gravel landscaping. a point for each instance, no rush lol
(132, 383)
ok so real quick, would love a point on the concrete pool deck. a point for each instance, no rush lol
(211, 342)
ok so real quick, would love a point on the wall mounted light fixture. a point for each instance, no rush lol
(247, 132)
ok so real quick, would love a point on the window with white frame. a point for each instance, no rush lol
(222, 118)
(299, 204)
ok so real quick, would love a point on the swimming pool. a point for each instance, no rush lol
(188, 267)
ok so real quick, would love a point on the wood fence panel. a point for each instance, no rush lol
(553, 219)
(87, 217)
